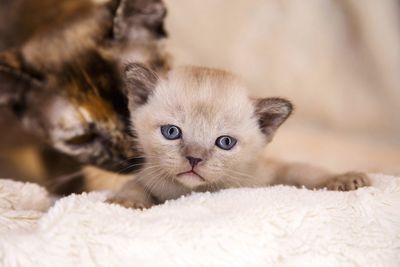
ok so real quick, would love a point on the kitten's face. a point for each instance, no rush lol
(200, 127)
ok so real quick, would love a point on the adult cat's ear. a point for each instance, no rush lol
(140, 82)
(138, 20)
(271, 113)
(14, 79)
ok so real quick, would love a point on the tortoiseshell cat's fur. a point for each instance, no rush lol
(60, 74)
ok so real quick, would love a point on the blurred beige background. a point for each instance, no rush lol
(337, 60)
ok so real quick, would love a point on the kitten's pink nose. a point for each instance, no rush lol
(193, 161)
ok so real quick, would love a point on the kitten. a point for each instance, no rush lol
(200, 131)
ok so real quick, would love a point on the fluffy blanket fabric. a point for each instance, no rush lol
(275, 226)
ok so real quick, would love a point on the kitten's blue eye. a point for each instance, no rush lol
(225, 142)
(171, 132)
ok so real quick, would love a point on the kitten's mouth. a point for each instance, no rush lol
(192, 173)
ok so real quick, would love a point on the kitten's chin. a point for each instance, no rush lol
(190, 179)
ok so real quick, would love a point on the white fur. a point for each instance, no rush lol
(274, 226)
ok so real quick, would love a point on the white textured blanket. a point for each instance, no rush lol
(275, 226)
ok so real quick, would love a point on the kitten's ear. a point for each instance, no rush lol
(140, 82)
(271, 113)
(14, 80)
(139, 20)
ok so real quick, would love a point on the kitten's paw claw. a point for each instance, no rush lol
(348, 181)
(128, 203)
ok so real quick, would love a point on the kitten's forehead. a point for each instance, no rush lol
(204, 92)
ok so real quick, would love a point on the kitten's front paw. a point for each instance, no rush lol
(348, 181)
(130, 203)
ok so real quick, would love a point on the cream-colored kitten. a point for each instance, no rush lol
(200, 131)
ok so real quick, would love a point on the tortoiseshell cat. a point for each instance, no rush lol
(199, 131)
(60, 71)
